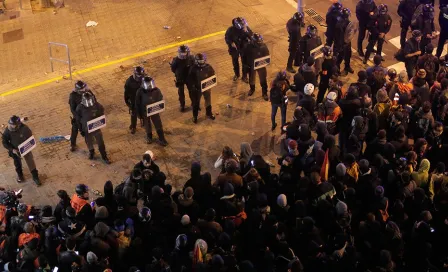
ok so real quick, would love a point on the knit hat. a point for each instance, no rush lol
(421, 73)
(28, 227)
(341, 169)
(381, 134)
(363, 165)
(379, 191)
(282, 201)
(231, 165)
(196, 167)
(332, 96)
(381, 96)
(91, 257)
(185, 220)
(362, 76)
(228, 191)
(341, 208)
(189, 192)
(101, 213)
(292, 144)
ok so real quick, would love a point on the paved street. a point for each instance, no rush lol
(126, 28)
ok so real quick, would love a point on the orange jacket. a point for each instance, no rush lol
(78, 203)
(26, 237)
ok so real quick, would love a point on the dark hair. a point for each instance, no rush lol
(62, 194)
(377, 59)
(70, 243)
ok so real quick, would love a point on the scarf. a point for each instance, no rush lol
(404, 88)
(325, 166)
(199, 252)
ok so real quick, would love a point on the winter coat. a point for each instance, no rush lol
(144, 98)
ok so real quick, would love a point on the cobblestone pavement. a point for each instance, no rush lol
(46, 106)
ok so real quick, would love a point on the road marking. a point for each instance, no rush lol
(106, 64)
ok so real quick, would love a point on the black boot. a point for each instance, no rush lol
(235, 77)
(92, 154)
(182, 107)
(360, 53)
(195, 119)
(133, 130)
(105, 159)
(244, 78)
(209, 113)
(35, 175)
(20, 177)
(291, 70)
(251, 91)
(162, 141)
(72, 148)
(149, 139)
(349, 69)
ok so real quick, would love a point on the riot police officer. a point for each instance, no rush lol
(406, 10)
(86, 111)
(308, 42)
(257, 49)
(443, 22)
(149, 94)
(74, 100)
(365, 11)
(15, 134)
(130, 90)
(344, 32)
(200, 71)
(331, 19)
(378, 29)
(237, 37)
(293, 27)
(425, 23)
(180, 67)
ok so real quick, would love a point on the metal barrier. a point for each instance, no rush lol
(67, 61)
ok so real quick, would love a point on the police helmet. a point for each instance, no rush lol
(139, 73)
(327, 51)
(311, 30)
(336, 6)
(428, 11)
(21, 208)
(14, 122)
(144, 214)
(88, 100)
(257, 38)
(281, 75)
(200, 59)
(148, 83)
(392, 73)
(81, 189)
(346, 13)
(239, 22)
(383, 9)
(298, 16)
(80, 85)
(183, 52)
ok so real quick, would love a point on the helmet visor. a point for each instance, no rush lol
(148, 85)
(182, 54)
(87, 102)
(12, 127)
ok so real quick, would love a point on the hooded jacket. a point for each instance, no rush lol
(421, 177)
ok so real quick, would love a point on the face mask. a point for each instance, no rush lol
(146, 164)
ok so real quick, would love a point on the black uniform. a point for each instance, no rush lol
(308, 43)
(378, 28)
(195, 76)
(443, 22)
(411, 46)
(84, 115)
(331, 19)
(130, 90)
(342, 49)
(241, 39)
(406, 10)
(254, 51)
(363, 13)
(294, 32)
(11, 141)
(74, 100)
(325, 74)
(143, 99)
(180, 68)
(426, 25)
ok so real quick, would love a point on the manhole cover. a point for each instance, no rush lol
(310, 12)
(12, 36)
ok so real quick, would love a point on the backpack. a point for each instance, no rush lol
(384, 213)
(400, 56)
(377, 79)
